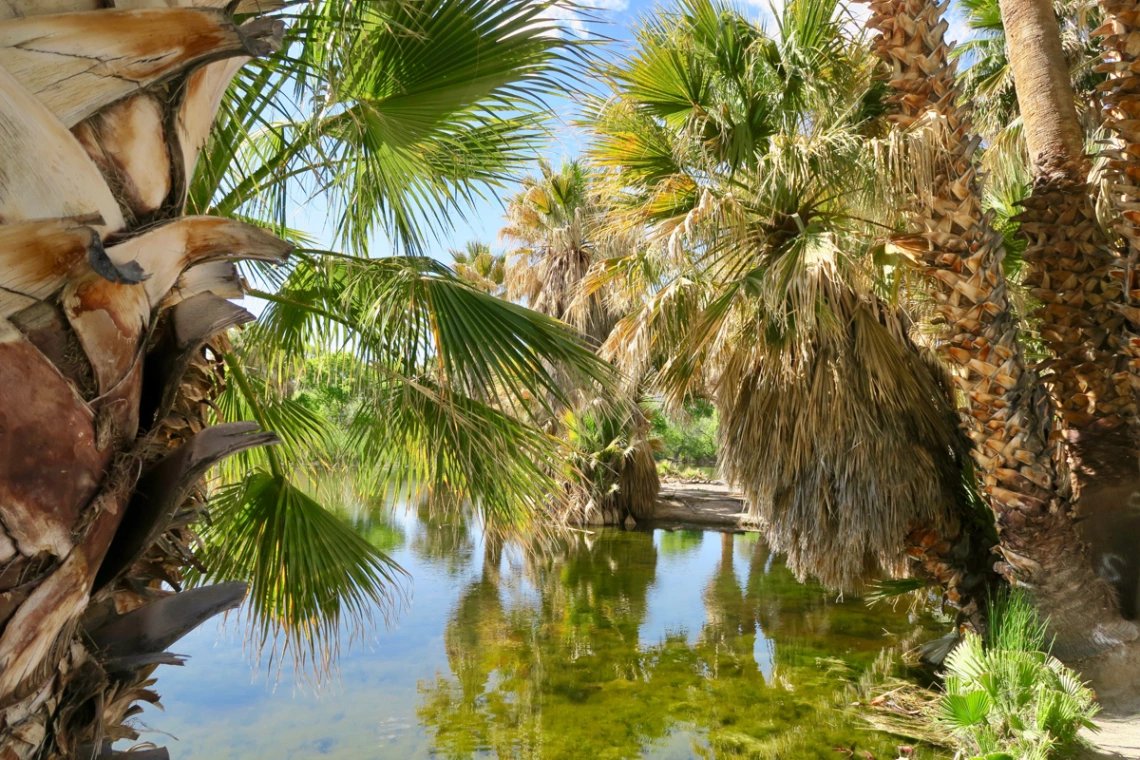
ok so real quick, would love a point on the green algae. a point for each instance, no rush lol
(559, 667)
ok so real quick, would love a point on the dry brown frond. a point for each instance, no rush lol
(841, 441)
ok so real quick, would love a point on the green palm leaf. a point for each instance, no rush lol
(309, 573)
(397, 114)
(964, 711)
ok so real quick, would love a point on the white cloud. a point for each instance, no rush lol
(958, 31)
(584, 14)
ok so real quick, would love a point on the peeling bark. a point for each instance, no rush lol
(164, 252)
(22, 8)
(204, 91)
(218, 277)
(47, 472)
(78, 63)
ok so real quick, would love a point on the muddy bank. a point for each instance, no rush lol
(699, 505)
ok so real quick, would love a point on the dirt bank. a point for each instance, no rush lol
(703, 505)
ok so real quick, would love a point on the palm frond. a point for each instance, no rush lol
(310, 574)
(398, 115)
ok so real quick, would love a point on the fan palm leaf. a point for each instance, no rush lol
(362, 109)
(393, 117)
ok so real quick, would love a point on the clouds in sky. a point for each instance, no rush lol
(578, 20)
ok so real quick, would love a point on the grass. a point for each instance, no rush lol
(669, 469)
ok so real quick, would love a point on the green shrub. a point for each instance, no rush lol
(1010, 698)
(692, 440)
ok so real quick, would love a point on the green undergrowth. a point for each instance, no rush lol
(676, 471)
(1004, 697)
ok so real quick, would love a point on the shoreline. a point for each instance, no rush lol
(699, 505)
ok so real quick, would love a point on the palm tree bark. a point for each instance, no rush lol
(1006, 414)
(1120, 46)
(1070, 259)
(103, 329)
(1080, 280)
(1117, 524)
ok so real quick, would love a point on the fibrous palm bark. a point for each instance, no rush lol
(1120, 99)
(1077, 275)
(1120, 44)
(109, 299)
(1006, 415)
(1069, 256)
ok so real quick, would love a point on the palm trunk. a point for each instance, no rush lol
(1121, 103)
(1114, 522)
(1006, 415)
(1080, 280)
(1069, 257)
(102, 367)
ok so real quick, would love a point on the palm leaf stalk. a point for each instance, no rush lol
(962, 254)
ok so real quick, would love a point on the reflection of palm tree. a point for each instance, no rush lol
(563, 676)
(477, 626)
(475, 639)
(369, 514)
(680, 542)
(730, 632)
(444, 539)
(789, 613)
(569, 671)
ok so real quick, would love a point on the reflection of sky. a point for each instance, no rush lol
(218, 708)
(675, 603)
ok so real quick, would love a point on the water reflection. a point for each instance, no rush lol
(557, 667)
(444, 539)
(664, 645)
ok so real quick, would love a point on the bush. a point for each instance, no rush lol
(1009, 698)
(692, 441)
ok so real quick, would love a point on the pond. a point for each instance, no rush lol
(654, 644)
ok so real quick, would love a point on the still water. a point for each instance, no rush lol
(620, 645)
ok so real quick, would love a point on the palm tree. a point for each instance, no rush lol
(986, 80)
(483, 269)
(1071, 268)
(118, 334)
(753, 161)
(559, 224)
(556, 222)
(394, 146)
(749, 161)
(1007, 428)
